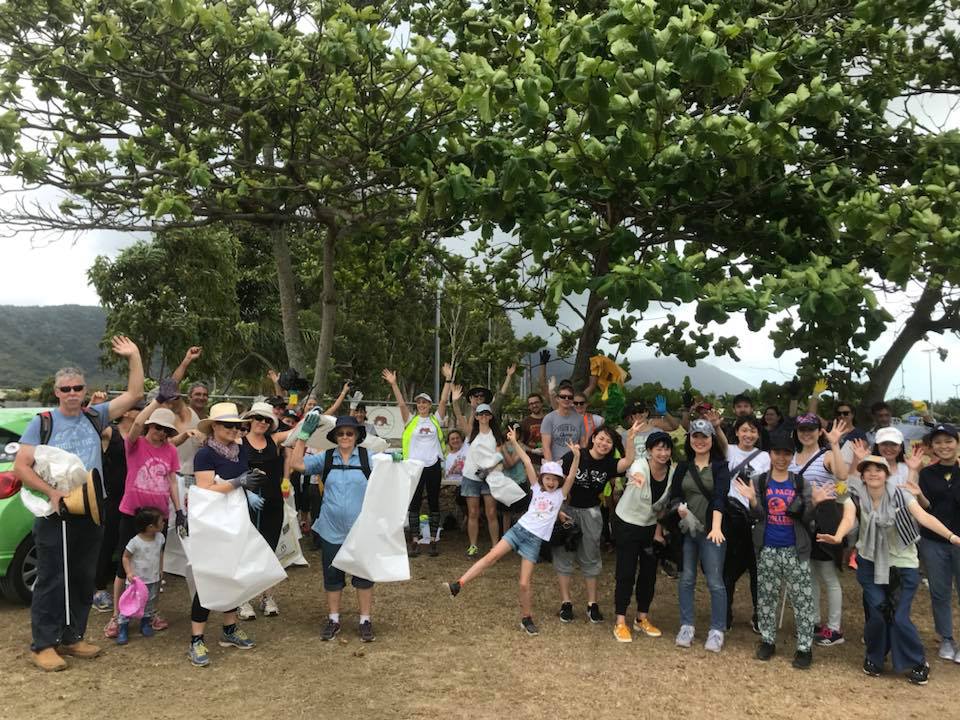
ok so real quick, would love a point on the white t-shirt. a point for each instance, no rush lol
(482, 440)
(453, 465)
(543, 511)
(145, 557)
(757, 466)
(424, 443)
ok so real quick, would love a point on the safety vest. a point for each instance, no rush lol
(408, 433)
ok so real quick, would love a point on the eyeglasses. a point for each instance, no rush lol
(71, 388)
(579, 402)
(565, 397)
(344, 433)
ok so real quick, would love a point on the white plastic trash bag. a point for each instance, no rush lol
(288, 547)
(229, 559)
(375, 548)
(60, 469)
(503, 488)
(174, 558)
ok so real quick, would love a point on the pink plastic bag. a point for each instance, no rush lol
(133, 601)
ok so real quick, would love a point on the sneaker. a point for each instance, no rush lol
(830, 637)
(102, 601)
(669, 569)
(919, 675)
(818, 630)
(685, 636)
(158, 623)
(434, 549)
(566, 612)
(765, 651)
(122, 636)
(714, 641)
(622, 633)
(645, 626)
(956, 658)
(802, 659)
(594, 614)
(453, 588)
(245, 612)
(870, 669)
(238, 639)
(198, 654)
(268, 606)
(947, 649)
(472, 551)
(146, 628)
(330, 630)
(528, 626)
(110, 629)
(366, 631)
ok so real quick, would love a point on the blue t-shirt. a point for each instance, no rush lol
(779, 531)
(73, 433)
(209, 459)
(343, 492)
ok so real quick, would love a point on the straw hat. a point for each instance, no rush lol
(225, 412)
(264, 410)
(163, 418)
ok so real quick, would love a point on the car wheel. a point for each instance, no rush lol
(17, 586)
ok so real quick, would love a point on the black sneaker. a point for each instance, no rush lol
(366, 631)
(870, 669)
(434, 549)
(669, 569)
(453, 588)
(566, 612)
(528, 626)
(765, 651)
(802, 659)
(594, 614)
(330, 630)
(919, 675)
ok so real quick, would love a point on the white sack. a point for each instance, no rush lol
(60, 469)
(503, 488)
(288, 547)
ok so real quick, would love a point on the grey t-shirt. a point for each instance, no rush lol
(145, 557)
(561, 429)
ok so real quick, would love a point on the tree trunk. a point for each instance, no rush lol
(592, 325)
(913, 331)
(289, 307)
(328, 314)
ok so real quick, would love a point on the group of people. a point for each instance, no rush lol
(786, 499)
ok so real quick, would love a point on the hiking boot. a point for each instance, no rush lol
(122, 633)
(453, 588)
(566, 612)
(919, 675)
(268, 606)
(246, 612)
(594, 614)
(198, 654)
(434, 549)
(146, 627)
(765, 651)
(366, 631)
(472, 551)
(947, 649)
(110, 629)
(646, 627)
(238, 639)
(80, 649)
(158, 623)
(685, 636)
(830, 637)
(802, 659)
(330, 630)
(528, 626)
(714, 641)
(102, 601)
(622, 633)
(48, 660)
(870, 669)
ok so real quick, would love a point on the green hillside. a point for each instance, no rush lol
(36, 341)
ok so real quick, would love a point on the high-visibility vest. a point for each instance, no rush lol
(408, 433)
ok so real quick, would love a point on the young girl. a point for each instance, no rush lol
(485, 440)
(534, 527)
(142, 558)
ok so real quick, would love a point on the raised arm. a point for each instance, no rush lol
(574, 467)
(125, 347)
(136, 430)
(445, 392)
(391, 377)
(630, 451)
(522, 456)
(339, 401)
(835, 462)
(274, 379)
(192, 354)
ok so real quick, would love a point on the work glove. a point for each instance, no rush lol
(309, 425)
(544, 357)
(169, 390)
(181, 524)
(254, 501)
(660, 404)
(687, 398)
(251, 480)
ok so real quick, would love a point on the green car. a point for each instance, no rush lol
(18, 556)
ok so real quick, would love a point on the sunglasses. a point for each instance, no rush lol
(229, 426)
(843, 413)
(344, 433)
(565, 397)
(71, 388)
(258, 418)
(165, 430)
(579, 402)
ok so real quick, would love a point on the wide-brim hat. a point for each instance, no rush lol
(225, 412)
(264, 410)
(347, 421)
(162, 417)
(487, 393)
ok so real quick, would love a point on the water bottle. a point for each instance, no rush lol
(425, 527)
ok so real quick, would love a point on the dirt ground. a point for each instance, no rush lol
(440, 658)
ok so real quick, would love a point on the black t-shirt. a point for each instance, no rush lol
(115, 467)
(592, 475)
(940, 484)
(270, 460)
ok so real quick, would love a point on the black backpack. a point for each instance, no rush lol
(329, 465)
(46, 424)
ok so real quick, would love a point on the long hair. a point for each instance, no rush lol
(494, 428)
(799, 446)
(716, 454)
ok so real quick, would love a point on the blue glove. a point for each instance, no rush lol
(660, 404)
(309, 425)
(254, 501)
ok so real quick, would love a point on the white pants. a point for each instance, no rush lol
(825, 578)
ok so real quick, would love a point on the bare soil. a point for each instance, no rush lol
(440, 658)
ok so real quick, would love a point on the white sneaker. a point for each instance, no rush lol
(947, 650)
(956, 658)
(685, 636)
(245, 612)
(268, 606)
(714, 641)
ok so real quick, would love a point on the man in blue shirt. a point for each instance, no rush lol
(78, 432)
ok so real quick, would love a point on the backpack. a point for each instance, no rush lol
(46, 424)
(328, 464)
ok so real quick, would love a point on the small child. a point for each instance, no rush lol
(143, 558)
(533, 527)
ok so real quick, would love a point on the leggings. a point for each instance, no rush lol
(106, 567)
(429, 479)
(740, 558)
(269, 520)
(200, 614)
(825, 576)
(634, 547)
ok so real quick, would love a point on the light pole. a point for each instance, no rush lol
(930, 373)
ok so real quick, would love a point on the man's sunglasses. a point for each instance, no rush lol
(565, 397)
(843, 413)
(579, 402)
(71, 388)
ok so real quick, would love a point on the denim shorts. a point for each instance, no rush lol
(334, 578)
(524, 542)
(474, 488)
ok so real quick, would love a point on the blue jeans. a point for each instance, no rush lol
(899, 636)
(942, 562)
(696, 550)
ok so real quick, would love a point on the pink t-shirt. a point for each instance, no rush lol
(147, 471)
